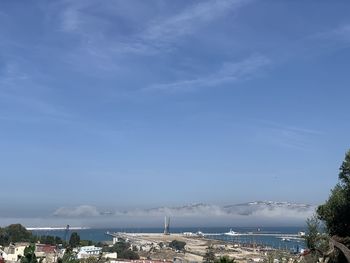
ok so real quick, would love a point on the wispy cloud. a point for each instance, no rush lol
(343, 32)
(288, 136)
(22, 91)
(228, 73)
(339, 33)
(71, 20)
(188, 20)
(151, 36)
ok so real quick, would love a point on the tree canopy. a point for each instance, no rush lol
(335, 213)
(177, 245)
(50, 240)
(225, 259)
(74, 240)
(123, 250)
(29, 255)
(14, 233)
(18, 233)
(209, 256)
(68, 257)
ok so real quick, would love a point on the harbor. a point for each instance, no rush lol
(156, 246)
(243, 244)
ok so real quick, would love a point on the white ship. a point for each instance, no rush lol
(232, 233)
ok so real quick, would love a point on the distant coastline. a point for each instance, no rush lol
(55, 228)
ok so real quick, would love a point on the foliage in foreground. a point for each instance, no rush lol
(335, 214)
(177, 245)
(209, 257)
(29, 255)
(18, 233)
(74, 239)
(123, 249)
(68, 257)
(225, 259)
(14, 233)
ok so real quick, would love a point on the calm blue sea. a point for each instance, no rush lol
(253, 236)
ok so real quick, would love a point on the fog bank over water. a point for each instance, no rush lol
(260, 213)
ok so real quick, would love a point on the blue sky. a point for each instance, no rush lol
(119, 104)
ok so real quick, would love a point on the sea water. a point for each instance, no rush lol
(265, 236)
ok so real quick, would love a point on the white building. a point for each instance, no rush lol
(89, 251)
(14, 251)
(110, 255)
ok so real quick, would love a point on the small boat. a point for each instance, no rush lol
(232, 233)
(199, 234)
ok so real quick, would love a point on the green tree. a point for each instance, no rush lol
(68, 257)
(123, 250)
(270, 257)
(117, 247)
(14, 233)
(128, 254)
(335, 213)
(59, 240)
(86, 243)
(177, 245)
(313, 232)
(74, 240)
(29, 255)
(344, 174)
(209, 256)
(4, 239)
(225, 259)
(18, 233)
(134, 248)
(316, 241)
(89, 260)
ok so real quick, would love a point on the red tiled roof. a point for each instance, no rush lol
(45, 248)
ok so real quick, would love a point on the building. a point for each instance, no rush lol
(2, 256)
(110, 255)
(89, 251)
(14, 251)
(115, 240)
(46, 252)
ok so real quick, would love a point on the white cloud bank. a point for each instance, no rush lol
(79, 211)
(253, 213)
